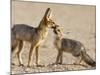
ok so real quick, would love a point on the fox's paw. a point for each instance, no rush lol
(40, 65)
(59, 63)
(22, 65)
(13, 64)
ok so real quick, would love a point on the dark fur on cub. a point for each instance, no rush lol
(74, 47)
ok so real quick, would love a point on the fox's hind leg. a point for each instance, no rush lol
(19, 53)
(78, 60)
(14, 44)
(77, 53)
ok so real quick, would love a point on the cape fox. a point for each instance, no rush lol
(74, 47)
(23, 32)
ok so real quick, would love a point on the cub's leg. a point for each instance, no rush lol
(59, 57)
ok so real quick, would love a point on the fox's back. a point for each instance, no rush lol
(72, 46)
(24, 32)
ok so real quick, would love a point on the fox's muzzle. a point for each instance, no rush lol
(54, 29)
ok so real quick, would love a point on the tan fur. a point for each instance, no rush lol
(23, 32)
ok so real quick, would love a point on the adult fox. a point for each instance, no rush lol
(23, 32)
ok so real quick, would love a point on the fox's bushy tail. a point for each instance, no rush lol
(86, 58)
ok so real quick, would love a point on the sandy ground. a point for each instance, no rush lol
(79, 20)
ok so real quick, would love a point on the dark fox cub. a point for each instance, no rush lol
(74, 47)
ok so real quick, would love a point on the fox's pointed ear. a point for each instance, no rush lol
(47, 12)
(49, 15)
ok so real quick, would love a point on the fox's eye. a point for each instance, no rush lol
(58, 30)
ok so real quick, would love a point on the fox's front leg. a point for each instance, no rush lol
(31, 55)
(37, 57)
(14, 50)
(59, 57)
(37, 48)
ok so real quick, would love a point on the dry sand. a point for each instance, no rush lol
(79, 20)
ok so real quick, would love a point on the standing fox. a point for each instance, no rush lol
(70, 46)
(23, 32)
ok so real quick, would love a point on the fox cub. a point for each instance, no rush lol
(74, 47)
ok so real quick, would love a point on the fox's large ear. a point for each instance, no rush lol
(48, 13)
(48, 17)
